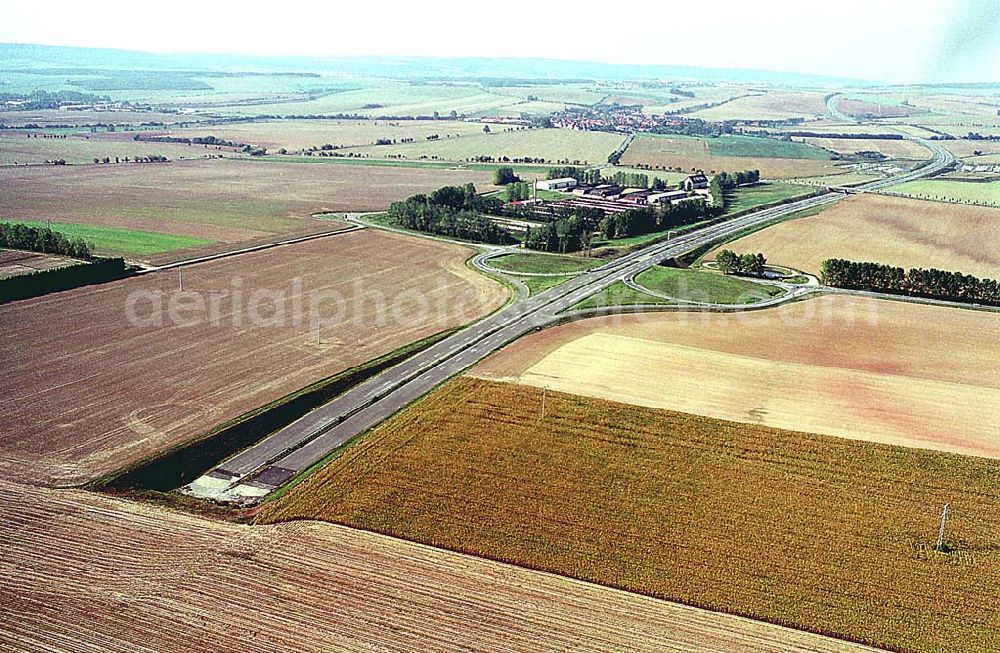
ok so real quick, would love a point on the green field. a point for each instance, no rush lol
(544, 263)
(754, 147)
(703, 286)
(964, 192)
(750, 197)
(126, 242)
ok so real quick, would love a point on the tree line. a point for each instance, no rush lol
(918, 282)
(594, 177)
(453, 211)
(42, 239)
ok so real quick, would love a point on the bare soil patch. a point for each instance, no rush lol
(94, 392)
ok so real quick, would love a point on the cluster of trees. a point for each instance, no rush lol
(196, 140)
(730, 262)
(486, 158)
(933, 283)
(519, 191)
(563, 235)
(575, 230)
(593, 176)
(454, 211)
(871, 137)
(724, 181)
(730, 180)
(42, 239)
(504, 176)
(152, 158)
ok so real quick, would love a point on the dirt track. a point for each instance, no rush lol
(83, 572)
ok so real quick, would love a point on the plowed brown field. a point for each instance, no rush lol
(232, 202)
(83, 572)
(885, 371)
(891, 230)
(87, 391)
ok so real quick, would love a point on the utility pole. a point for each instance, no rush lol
(940, 540)
(544, 390)
(180, 280)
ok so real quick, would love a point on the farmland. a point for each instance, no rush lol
(742, 199)
(191, 583)
(16, 147)
(108, 240)
(899, 374)
(768, 105)
(893, 149)
(232, 203)
(891, 230)
(769, 148)
(399, 99)
(692, 153)
(687, 508)
(151, 383)
(14, 263)
(983, 193)
(301, 134)
(553, 145)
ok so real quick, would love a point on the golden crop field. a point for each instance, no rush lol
(850, 367)
(187, 583)
(692, 154)
(103, 385)
(892, 230)
(820, 533)
(230, 202)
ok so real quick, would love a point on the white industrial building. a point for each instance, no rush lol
(556, 184)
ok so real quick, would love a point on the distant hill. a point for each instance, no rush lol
(57, 59)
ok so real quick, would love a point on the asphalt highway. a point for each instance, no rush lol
(255, 472)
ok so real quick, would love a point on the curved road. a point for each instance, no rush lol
(252, 474)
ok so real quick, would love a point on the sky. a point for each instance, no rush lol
(898, 41)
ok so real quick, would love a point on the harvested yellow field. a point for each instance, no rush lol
(691, 154)
(771, 105)
(827, 534)
(893, 149)
(87, 572)
(857, 368)
(890, 230)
